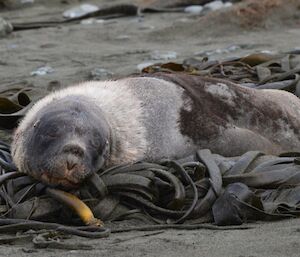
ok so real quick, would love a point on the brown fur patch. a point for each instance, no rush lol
(210, 115)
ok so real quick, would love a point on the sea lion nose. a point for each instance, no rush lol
(71, 164)
(73, 149)
(74, 171)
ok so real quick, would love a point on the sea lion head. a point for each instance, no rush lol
(64, 143)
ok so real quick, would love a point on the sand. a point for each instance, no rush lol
(118, 46)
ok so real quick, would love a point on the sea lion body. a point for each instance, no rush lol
(73, 132)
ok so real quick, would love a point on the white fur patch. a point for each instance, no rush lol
(121, 108)
(222, 91)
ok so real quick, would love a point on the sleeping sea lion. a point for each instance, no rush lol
(73, 132)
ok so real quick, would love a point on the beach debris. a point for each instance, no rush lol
(194, 9)
(79, 207)
(5, 27)
(216, 5)
(80, 10)
(15, 100)
(100, 74)
(216, 188)
(163, 55)
(41, 71)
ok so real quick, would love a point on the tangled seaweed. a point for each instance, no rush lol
(201, 188)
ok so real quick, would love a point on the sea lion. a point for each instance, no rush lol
(73, 132)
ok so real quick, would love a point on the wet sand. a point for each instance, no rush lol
(119, 45)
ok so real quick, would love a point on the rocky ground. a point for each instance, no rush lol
(121, 46)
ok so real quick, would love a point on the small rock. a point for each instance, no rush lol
(212, 6)
(5, 27)
(163, 55)
(216, 5)
(100, 74)
(41, 71)
(81, 10)
(143, 65)
(194, 9)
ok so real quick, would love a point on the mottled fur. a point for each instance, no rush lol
(170, 116)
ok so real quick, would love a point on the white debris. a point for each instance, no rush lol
(194, 9)
(227, 4)
(81, 10)
(163, 55)
(5, 27)
(41, 71)
(143, 65)
(267, 52)
(216, 5)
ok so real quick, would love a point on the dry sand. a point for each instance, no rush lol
(119, 45)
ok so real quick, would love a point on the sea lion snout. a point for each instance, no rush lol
(68, 169)
(73, 149)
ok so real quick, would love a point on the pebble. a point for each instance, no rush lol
(5, 27)
(216, 5)
(194, 9)
(100, 74)
(41, 71)
(80, 10)
(163, 55)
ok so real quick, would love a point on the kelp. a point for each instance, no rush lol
(253, 186)
(15, 102)
(105, 12)
(257, 70)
